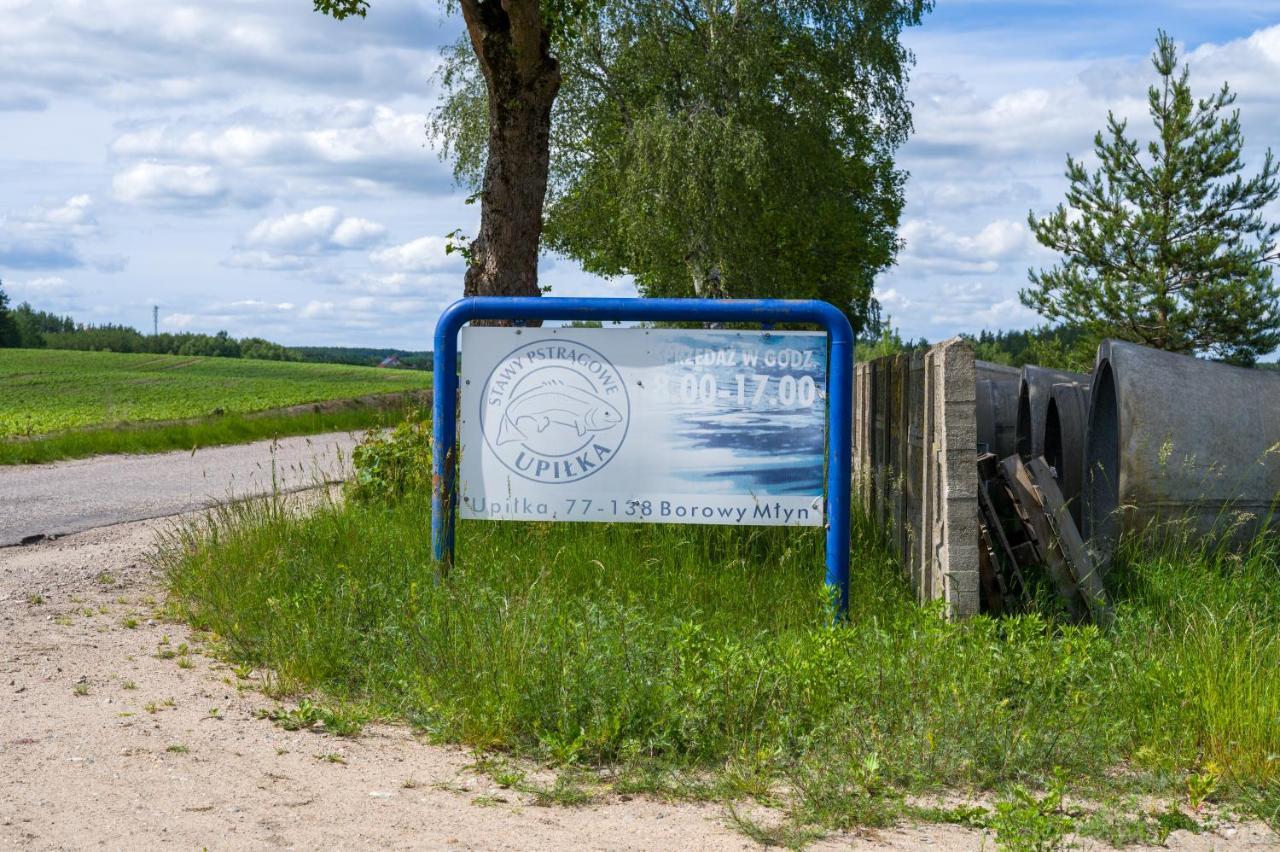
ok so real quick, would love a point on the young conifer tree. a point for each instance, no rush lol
(1170, 250)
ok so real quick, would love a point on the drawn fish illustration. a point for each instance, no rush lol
(555, 402)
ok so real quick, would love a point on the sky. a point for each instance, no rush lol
(256, 167)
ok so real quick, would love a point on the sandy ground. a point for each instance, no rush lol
(105, 745)
(71, 496)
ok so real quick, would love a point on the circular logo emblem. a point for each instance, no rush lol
(554, 411)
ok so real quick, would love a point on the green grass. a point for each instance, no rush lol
(43, 391)
(701, 662)
(56, 405)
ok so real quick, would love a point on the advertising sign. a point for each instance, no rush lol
(643, 425)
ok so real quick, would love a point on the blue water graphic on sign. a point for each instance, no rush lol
(771, 436)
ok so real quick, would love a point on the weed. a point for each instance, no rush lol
(486, 801)
(1028, 822)
(332, 757)
(178, 748)
(243, 671)
(503, 774)
(1170, 820)
(785, 834)
(184, 662)
(970, 816)
(345, 723)
(570, 789)
(80, 689)
(410, 784)
(1201, 786)
(35, 599)
(106, 578)
(128, 684)
(130, 623)
(214, 713)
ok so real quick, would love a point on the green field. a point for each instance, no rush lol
(61, 404)
(44, 390)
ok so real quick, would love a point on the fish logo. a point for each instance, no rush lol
(554, 411)
(555, 403)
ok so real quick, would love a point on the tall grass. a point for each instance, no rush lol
(710, 651)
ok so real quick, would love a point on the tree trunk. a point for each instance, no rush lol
(522, 79)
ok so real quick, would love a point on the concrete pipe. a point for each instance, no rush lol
(1065, 425)
(997, 407)
(1172, 437)
(1033, 405)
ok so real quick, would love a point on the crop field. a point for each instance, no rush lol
(46, 391)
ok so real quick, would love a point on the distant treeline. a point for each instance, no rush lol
(363, 357)
(26, 328)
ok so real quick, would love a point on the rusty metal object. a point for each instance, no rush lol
(997, 407)
(1065, 424)
(1171, 436)
(1033, 406)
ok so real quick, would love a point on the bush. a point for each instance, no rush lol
(390, 466)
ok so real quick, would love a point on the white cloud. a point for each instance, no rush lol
(940, 249)
(358, 143)
(316, 309)
(297, 241)
(316, 230)
(177, 320)
(425, 254)
(48, 236)
(169, 185)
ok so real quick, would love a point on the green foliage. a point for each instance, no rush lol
(1174, 253)
(1062, 347)
(9, 334)
(721, 149)
(344, 723)
(343, 9)
(888, 342)
(33, 325)
(702, 662)
(361, 356)
(121, 338)
(1025, 822)
(387, 467)
(44, 390)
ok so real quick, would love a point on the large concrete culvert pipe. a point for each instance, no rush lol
(1065, 425)
(997, 408)
(1033, 405)
(1170, 437)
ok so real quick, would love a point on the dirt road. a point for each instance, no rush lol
(65, 497)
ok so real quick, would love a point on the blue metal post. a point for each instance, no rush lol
(765, 311)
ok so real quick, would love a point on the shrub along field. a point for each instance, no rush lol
(58, 404)
(702, 662)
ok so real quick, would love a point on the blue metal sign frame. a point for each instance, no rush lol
(764, 311)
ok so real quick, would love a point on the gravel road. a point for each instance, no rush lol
(65, 497)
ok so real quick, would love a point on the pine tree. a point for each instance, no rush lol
(1173, 253)
(8, 328)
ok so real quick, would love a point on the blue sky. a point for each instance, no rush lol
(257, 167)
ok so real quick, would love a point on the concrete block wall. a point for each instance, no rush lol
(915, 466)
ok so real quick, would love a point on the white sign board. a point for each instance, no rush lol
(644, 425)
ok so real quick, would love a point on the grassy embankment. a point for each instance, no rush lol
(57, 404)
(700, 662)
